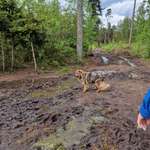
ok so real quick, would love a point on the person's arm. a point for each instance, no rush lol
(145, 106)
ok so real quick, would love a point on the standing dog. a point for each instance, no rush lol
(86, 78)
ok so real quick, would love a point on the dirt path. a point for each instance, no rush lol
(53, 113)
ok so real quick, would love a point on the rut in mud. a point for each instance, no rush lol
(53, 113)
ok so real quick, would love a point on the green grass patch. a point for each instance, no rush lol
(141, 50)
(137, 49)
(111, 47)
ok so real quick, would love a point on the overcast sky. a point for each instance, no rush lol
(120, 9)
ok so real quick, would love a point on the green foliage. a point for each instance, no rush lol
(141, 35)
(50, 29)
(124, 29)
(142, 43)
(142, 38)
(141, 46)
(89, 32)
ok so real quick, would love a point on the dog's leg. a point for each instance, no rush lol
(97, 85)
(105, 87)
(85, 86)
(101, 86)
(98, 89)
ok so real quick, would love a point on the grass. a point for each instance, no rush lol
(137, 49)
(141, 50)
(111, 47)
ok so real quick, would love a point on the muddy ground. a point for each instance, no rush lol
(52, 113)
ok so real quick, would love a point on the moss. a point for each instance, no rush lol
(63, 70)
(63, 86)
(51, 143)
(74, 131)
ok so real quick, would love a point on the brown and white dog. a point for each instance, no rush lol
(87, 78)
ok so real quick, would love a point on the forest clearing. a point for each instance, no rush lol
(51, 111)
(44, 104)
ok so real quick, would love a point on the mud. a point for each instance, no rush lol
(53, 113)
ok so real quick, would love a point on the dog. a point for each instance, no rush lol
(86, 78)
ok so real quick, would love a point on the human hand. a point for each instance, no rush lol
(142, 123)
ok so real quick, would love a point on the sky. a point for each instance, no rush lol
(120, 9)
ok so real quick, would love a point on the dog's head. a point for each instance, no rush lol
(79, 73)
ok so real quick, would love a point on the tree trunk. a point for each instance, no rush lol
(34, 58)
(132, 23)
(12, 57)
(3, 58)
(79, 29)
(105, 37)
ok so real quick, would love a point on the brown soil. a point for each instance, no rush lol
(33, 107)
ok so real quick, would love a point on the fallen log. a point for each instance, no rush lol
(127, 61)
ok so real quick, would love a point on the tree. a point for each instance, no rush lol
(124, 29)
(2, 52)
(4, 25)
(10, 13)
(32, 30)
(108, 15)
(80, 29)
(40, 31)
(108, 33)
(132, 22)
(96, 7)
(142, 32)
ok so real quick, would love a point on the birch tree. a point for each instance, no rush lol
(132, 23)
(80, 29)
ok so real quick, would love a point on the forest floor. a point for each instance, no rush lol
(50, 112)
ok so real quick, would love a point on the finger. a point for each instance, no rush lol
(148, 122)
(139, 118)
(143, 124)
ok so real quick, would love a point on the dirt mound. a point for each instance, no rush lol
(101, 58)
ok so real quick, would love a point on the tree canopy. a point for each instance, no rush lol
(43, 32)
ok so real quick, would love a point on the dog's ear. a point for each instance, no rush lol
(80, 71)
(102, 79)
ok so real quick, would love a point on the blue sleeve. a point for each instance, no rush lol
(145, 106)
